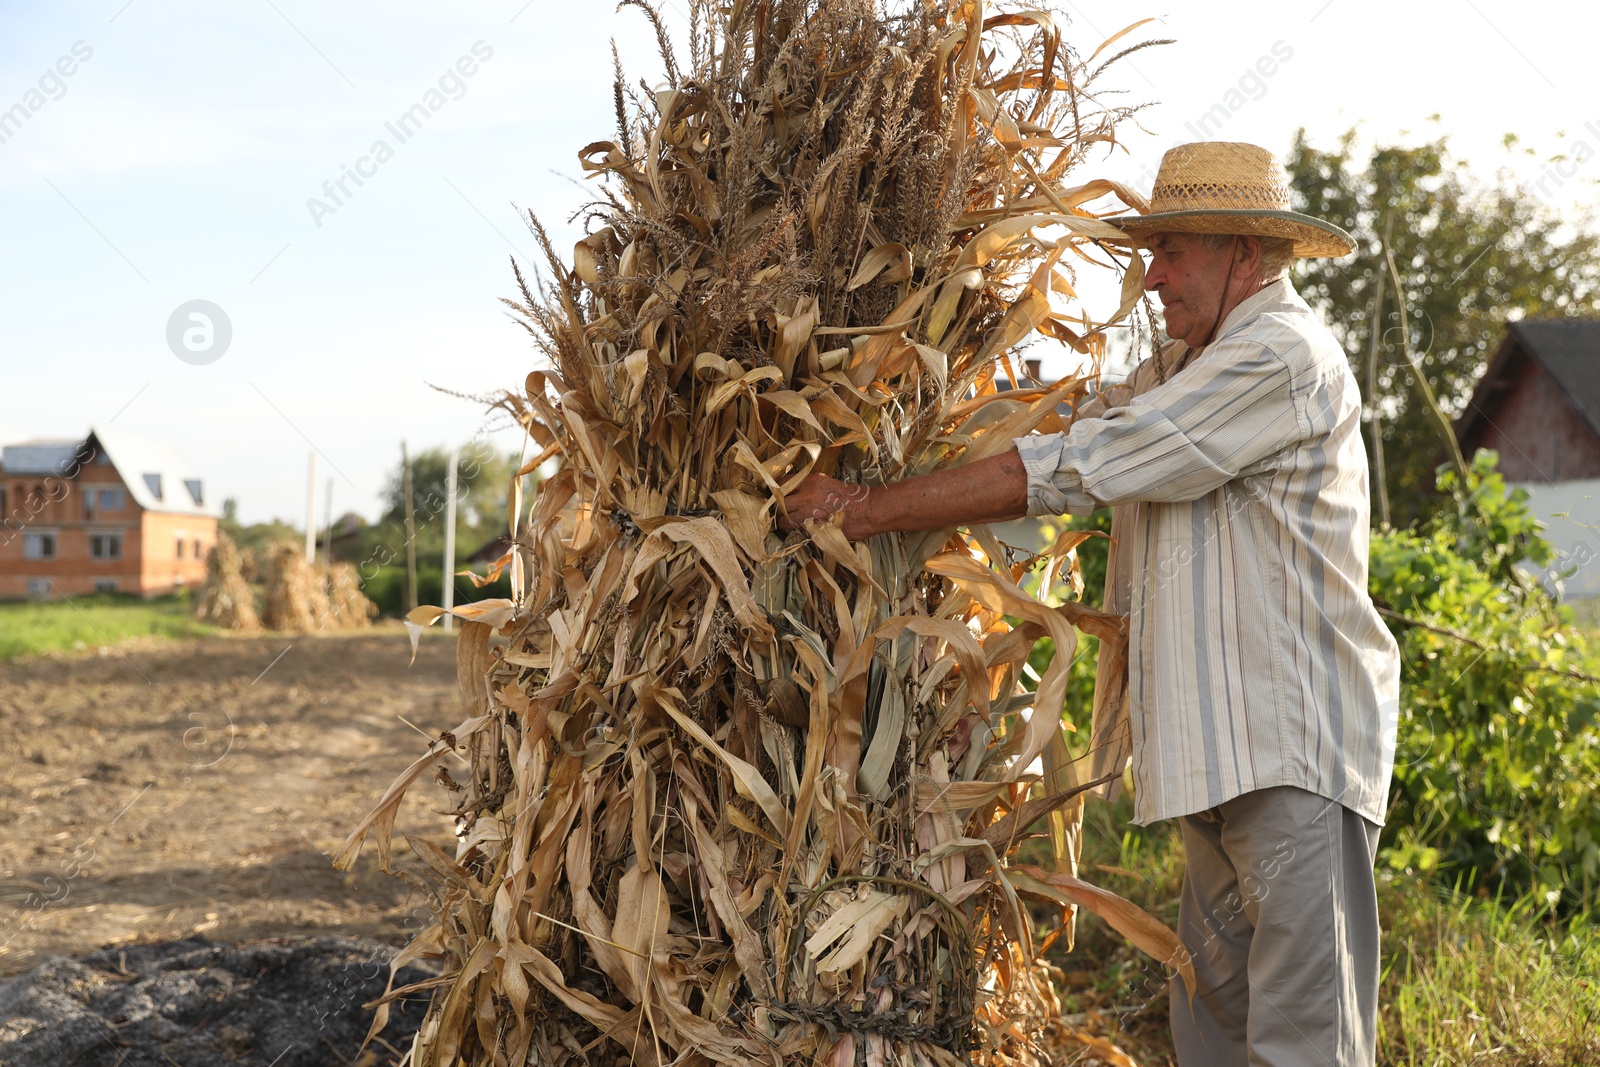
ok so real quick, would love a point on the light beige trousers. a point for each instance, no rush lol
(1280, 915)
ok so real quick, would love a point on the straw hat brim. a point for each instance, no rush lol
(1313, 238)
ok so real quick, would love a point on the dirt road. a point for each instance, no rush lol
(200, 787)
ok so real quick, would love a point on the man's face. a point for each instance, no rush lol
(1190, 280)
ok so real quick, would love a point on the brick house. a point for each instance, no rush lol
(110, 512)
(1538, 406)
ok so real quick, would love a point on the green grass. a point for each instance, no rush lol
(89, 622)
(1466, 980)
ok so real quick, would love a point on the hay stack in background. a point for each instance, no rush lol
(250, 566)
(295, 598)
(348, 607)
(226, 600)
(298, 597)
(743, 799)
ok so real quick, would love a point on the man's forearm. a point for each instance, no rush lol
(987, 490)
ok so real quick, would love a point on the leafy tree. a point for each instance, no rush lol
(255, 539)
(1472, 254)
(482, 483)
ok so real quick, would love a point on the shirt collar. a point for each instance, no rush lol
(1277, 295)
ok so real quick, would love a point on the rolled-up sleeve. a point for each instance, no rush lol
(1177, 442)
(1054, 488)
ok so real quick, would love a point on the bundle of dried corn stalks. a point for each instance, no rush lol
(348, 607)
(293, 597)
(226, 599)
(744, 799)
(301, 597)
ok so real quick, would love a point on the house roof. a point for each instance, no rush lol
(39, 456)
(1569, 349)
(156, 474)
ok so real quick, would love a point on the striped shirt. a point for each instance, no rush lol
(1239, 555)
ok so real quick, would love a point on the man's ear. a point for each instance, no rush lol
(1247, 260)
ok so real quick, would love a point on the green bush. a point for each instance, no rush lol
(387, 588)
(1497, 754)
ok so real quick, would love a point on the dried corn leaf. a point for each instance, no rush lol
(1149, 934)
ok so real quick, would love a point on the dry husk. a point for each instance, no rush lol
(744, 799)
(226, 599)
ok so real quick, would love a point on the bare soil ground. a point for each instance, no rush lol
(169, 790)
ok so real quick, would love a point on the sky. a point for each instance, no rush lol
(176, 151)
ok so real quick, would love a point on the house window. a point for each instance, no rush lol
(105, 546)
(105, 585)
(178, 547)
(39, 546)
(197, 548)
(111, 500)
(38, 587)
(152, 482)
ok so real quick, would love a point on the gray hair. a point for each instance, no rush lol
(1276, 252)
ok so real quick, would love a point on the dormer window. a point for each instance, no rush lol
(153, 483)
(195, 493)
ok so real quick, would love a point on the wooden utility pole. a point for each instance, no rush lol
(311, 509)
(449, 589)
(411, 530)
(327, 517)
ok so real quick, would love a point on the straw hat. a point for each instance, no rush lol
(1228, 187)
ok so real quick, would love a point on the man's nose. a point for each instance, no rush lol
(1154, 278)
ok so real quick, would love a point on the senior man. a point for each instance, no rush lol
(1262, 684)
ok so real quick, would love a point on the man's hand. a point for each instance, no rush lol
(821, 497)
